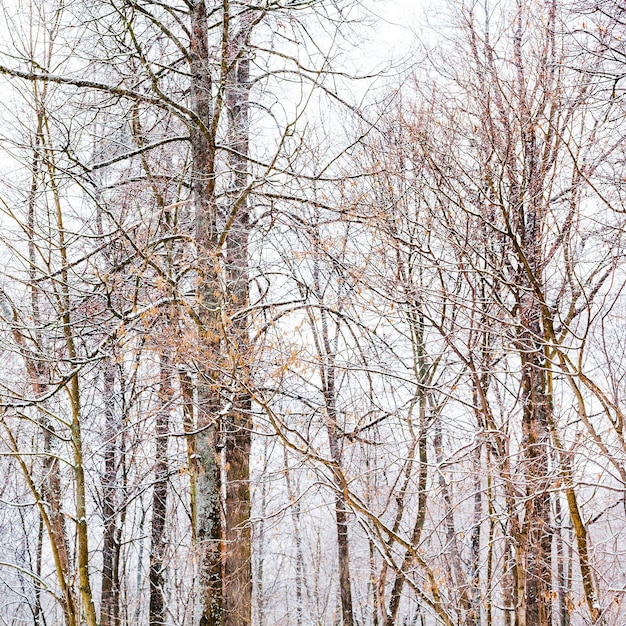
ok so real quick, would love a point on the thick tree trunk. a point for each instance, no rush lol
(237, 556)
(205, 466)
(238, 422)
(529, 214)
(536, 533)
(537, 527)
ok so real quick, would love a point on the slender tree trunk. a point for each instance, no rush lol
(490, 543)
(455, 564)
(139, 572)
(341, 510)
(38, 616)
(562, 590)
(157, 615)
(372, 583)
(37, 370)
(420, 440)
(474, 617)
(580, 532)
(259, 581)
(109, 598)
(295, 518)
(343, 547)
(72, 388)
(422, 453)
(39, 382)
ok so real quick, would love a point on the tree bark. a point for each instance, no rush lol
(109, 598)
(238, 421)
(205, 466)
(536, 532)
(341, 509)
(157, 615)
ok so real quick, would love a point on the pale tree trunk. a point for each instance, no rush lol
(490, 543)
(373, 580)
(110, 586)
(480, 389)
(260, 593)
(508, 582)
(296, 520)
(474, 616)
(562, 587)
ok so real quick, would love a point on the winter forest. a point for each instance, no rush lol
(294, 333)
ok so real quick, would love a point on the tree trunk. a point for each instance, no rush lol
(562, 588)
(396, 592)
(341, 510)
(237, 556)
(296, 519)
(37, 370)
(159, 499)
(536, 533)
(205, 466)
(474, 617)
(238, 422)
(109, 598)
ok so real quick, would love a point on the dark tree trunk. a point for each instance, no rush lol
(159, 500)
(341, 510)
(238, 422)
(422, 454)
(536, 533)
(109, 597)
(204, 457)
